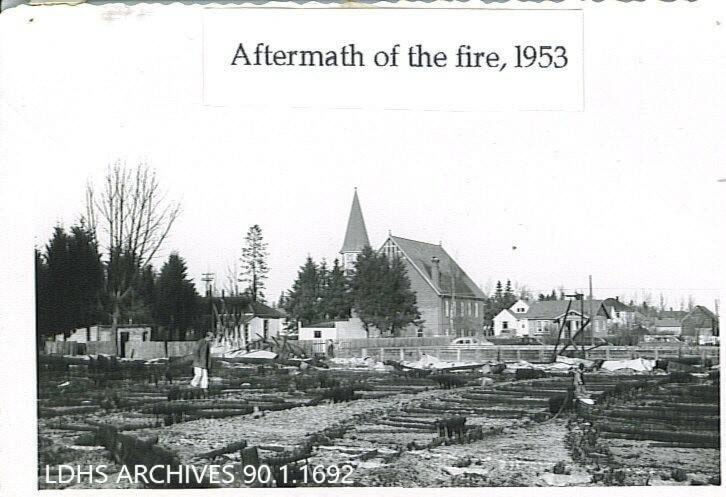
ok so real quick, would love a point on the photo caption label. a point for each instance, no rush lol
(430, 59)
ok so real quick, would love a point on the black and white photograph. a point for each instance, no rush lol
(362, 253)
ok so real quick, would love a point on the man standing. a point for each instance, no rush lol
(202, 361)
(579, 382)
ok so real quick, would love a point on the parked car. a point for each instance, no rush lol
(515, 341)
(470, 341)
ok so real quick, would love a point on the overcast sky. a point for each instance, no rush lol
(626, 191)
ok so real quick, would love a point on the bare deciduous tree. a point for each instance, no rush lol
(130, 217)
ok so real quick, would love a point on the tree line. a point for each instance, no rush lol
(378, 291)
(100, 270)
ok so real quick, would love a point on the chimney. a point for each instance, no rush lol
(435, 271)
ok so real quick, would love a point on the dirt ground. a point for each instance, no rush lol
(387, 438)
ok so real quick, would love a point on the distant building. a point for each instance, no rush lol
(335, 330)
(667, 326)
(622, 316)
(546, 317)
(512, 321)
(700, 324)
(104, 333)
(239, 320)
(450, 303)
(356, 236)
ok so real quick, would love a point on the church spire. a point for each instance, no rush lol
(356, 235)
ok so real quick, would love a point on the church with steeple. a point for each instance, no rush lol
(356, 236)
(449, 301)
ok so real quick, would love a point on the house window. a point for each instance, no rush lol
(521, 309)
(468, 310)
(265, 328)
(461, 308)
(617, 315)
(317, 334)
(446, 308)
(419, 333)
(505, 325)
(476, 309)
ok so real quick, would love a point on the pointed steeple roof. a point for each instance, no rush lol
(356, 236)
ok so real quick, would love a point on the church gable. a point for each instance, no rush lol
(435, 265)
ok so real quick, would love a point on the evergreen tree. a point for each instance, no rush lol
(69, 282)
(176, 305)
(143, 301)
(336, 294)
(508, 299)
(498, 292)
(323, 282)
(87, 277)
(57, 259)
(254, 263)
(282, 301)
(301, 303)
(382, 295)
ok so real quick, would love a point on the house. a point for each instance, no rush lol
(622, 316)
(546, 317)
(104, 333)
(239, 320)
(699, 324)
(334, 330)
(667, 326)
(512, 321)
(450, 303)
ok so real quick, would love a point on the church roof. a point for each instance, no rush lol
(452, 277)
(356, 236)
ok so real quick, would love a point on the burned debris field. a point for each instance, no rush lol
(380, 423)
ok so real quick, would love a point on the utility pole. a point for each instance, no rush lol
(208, 279)
(453, 301)
(592, 317)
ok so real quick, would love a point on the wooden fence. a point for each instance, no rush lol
(351, 347)
(529, 353)
(133, 350)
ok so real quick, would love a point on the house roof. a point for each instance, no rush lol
(617, 305)
(356, 235)
(552, 309)
(705, 311)
(325, 324)
(672, 314)
(243, 305)
(515, 315)
(451, 276)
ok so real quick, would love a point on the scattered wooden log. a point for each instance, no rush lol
(233, 447)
